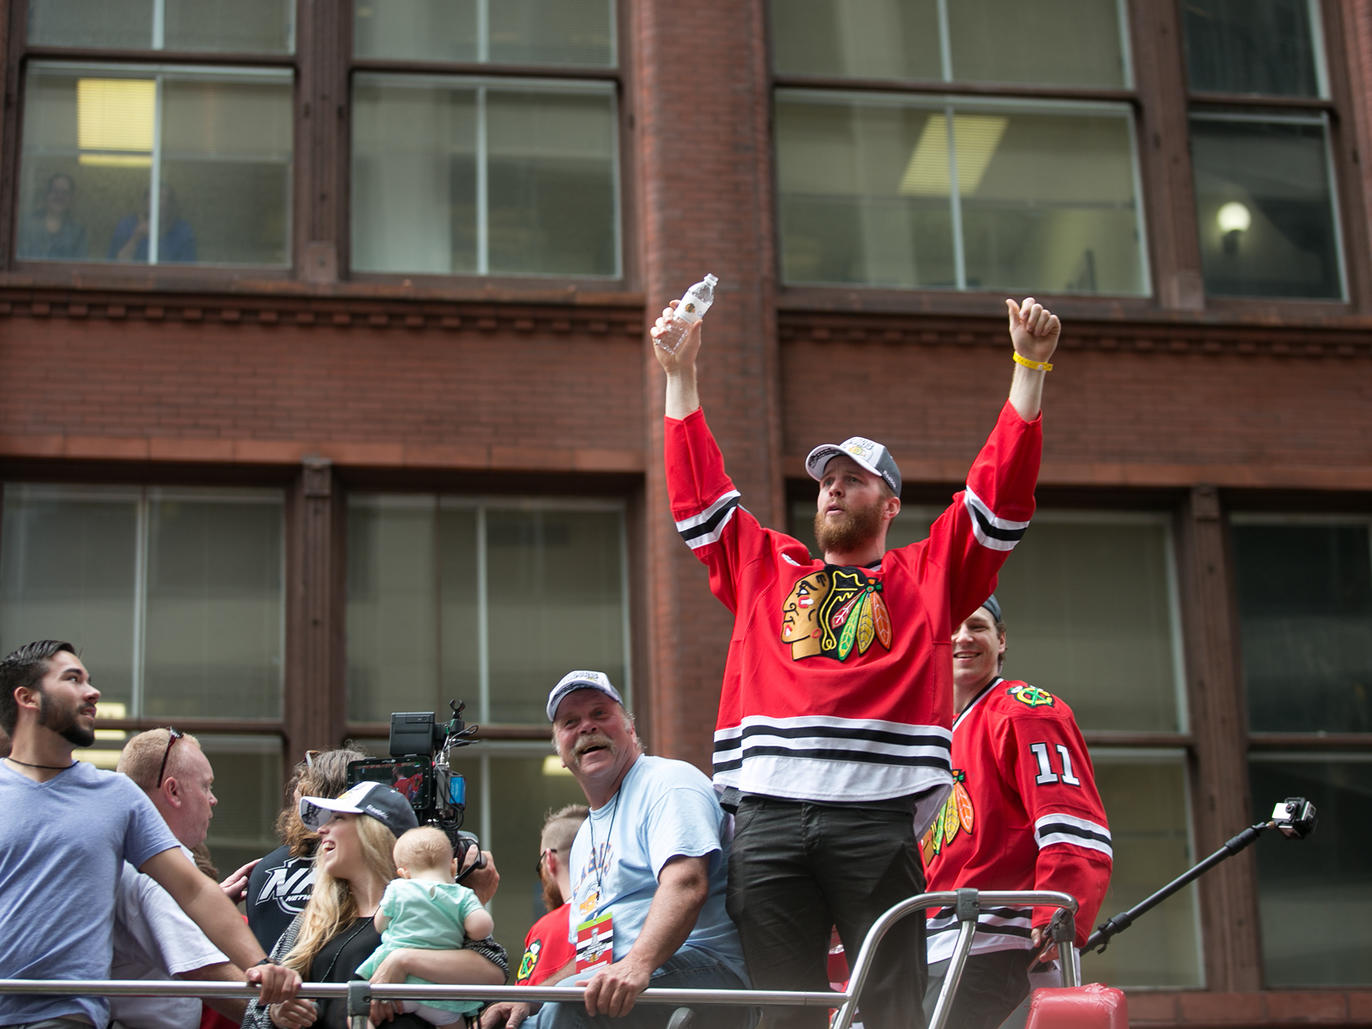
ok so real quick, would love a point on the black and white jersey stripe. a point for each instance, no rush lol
(991, 531)
(1077, 832)
(708, 526)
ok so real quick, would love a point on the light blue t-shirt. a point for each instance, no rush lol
(664, 809)
(62, 844)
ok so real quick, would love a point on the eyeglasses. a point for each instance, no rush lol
(538, 865)
(172, 736)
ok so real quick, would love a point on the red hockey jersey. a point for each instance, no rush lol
(1024, 814)
(547, 948)
(838, 681)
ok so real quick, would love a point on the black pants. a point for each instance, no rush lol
(796, 869)
(991, 987)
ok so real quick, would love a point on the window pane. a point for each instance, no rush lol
(987, 41)
(1145, 796)
(557, 602)
(221, 154)
(1305, 621)
(1045, 197)
(196, 629)
(1090, 615)
(215, 606)
(502, 598)
(877, 39)
(552, 183)
(67, 572)
(1315, 895)
(426, 151)
(573, 32)
(245, 26)
(900, 39)
(1265, 206)
(578, 32)
(416, 30)
(1251, 46)
(392, 608)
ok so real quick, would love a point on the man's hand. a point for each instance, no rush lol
(277, 982)
(235, 887)
(504, 1015)
(614, 989)
(293, 1014)
(1034, 329)
(685, 353)
(683, 395)
(483, 881)
(1045, 954)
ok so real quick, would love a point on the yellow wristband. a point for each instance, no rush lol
(1038, 366)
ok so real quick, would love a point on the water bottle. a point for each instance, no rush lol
(689, 310)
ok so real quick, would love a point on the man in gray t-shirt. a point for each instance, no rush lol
(67, 828)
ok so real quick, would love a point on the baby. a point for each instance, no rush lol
(425, 909)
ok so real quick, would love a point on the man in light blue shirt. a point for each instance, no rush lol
(648, 871)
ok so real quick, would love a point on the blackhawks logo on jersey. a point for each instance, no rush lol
(530, 961)
(955, 814)
(1031, 695)
(834, 612)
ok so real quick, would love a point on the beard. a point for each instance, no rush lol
(856, 528)
(63, 723)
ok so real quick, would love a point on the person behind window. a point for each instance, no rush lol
(49, 232)
(175, 245)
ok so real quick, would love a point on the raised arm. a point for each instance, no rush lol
(1034, 333)
(680, 366)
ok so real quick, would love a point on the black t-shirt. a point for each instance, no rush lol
(337, 961)
(278, 887)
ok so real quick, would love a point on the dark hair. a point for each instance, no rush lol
(23, 669)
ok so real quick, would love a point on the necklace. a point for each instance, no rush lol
(50, 768)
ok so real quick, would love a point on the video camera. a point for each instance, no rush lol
(418, 769)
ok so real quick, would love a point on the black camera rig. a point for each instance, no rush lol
(418, 768)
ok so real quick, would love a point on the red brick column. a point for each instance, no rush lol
(700, 103)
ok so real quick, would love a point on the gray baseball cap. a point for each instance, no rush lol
(581, 680)
(868, 453)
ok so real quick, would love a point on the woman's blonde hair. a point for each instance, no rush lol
(332, 906)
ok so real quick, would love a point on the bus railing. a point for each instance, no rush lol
(966, 903)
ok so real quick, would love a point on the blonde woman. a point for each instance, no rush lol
(334, 934)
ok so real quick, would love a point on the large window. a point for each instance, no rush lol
(1304, 590)
(498, 173)
(886, 180)
(101, 139)
(1265, 192)
(174, 597)
(489, 602)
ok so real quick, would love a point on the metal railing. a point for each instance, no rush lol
(966, 903)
